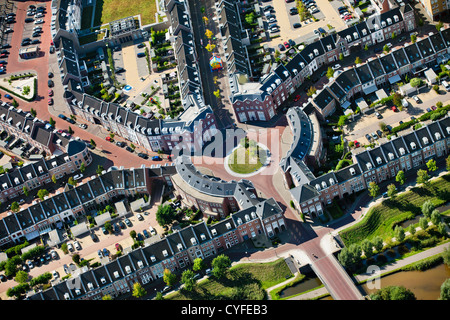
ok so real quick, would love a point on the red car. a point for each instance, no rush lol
(356, 144)
(50, 92)
(433, 108)
(297, 97)
(50, 101)
(286, 45)
(2, 55)
(118, 247)
(51, 43)
(108, 139)
(394, 108)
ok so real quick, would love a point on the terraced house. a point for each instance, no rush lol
(406, 152)
(44, 216)
(259, 100)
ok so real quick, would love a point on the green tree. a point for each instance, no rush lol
(169, 278)
(431, 165)
(341, 56)
(445, 290)
(52, 122)
(358, 60)
(21, 276)
(76, 258)
(386, 48)
(249, 18)
(70, 130)
(64, 248)
(217, 93)
(378, 244)
(435, 217)
(133, 234)
(330, 72)
(54, 178)
(446, 256)
(220, 265)
(423, 177)
(187, 278)
(25, 191)
(199, 264)
(165, 215)
(436, 88)
(413, 38)
(33, 112)
(159, 295)
(412, 229)
(72, 181)
(391, 190)
(399, 233)
(311, 91)
(439, 25)
(99, 169)
(447, 163)
(427, 208)
(107, 297)
(367, 247)
(374, 189)
(138, 290)
(93, 143)
(393, 293)
(15, 207)
(423, 223)
(345, 257)
(82, 167)
(400, 177)
(366, 48)
(415, 82)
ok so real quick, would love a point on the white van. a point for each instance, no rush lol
(446, 85)
(404, 103)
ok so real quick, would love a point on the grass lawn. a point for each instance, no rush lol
(246, 281)
(381, 219)
(244, 160)
(110, 10)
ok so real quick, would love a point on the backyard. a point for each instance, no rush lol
(109, 10)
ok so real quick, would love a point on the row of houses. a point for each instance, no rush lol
(22, 125)
(258, 101)
(174, 252)
(405, 152)
(83, 199)
(34, 175)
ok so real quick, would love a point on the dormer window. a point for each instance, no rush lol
(311, 56)
(316, 52)
(90, 286)
(116, 274)
(324, 184)
(247, 217)
(180, 247)
(437, 136)
(369, 166)
(228, 225)
(352, 171)
(402, 151)
(165, 253)
(239, 221)
(78, 292)
(355, 35)
(153, 258)
(413, 145)
(127, 269)
(103, 280)
(396, 18)
(140, 264)
(331, 181)
(66, 296)
(379, 161)
(425, 140)
(214, 232)
(318, 187)
(391, 156)
(202, 236)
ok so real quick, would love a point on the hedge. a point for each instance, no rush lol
(22, 97)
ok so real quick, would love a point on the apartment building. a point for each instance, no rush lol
(435, 9)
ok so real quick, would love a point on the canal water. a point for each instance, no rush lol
(310, 282)
(426, 285)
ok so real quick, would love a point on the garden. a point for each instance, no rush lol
(381, 229)
(161, 50)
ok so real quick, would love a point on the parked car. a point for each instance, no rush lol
(296, 25)
(141, 54)
(428, 110)
(55, 274)
(54, 254)
(50, 83)
(70, 120)
(152, 230)
(122, 225)
(61, 116)
(129, 149)
(368, 137)
(128, 222)
(379, 133)
(94, 237)
(120, 144)
(8, 96)
(379, 116)
(100, 254)
(156, 158)
(416, 99)
(77, 245)
(140, 217)
(286, 45)
(357, 144)
(30, 264)
(142, 155)
(70, 246)
(39, 21)
(374, 136)
(28, 20)
(291, 42)
(50, 101)
(433, 108)
(104, 230)
(394, 108)
(336, 67)
(105, 252)
(3, 278)
(146, 234)
(118, 247)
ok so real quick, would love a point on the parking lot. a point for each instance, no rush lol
(326, 15)
(32, 29)
(369, 123)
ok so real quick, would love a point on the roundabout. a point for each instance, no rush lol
(247, 159)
